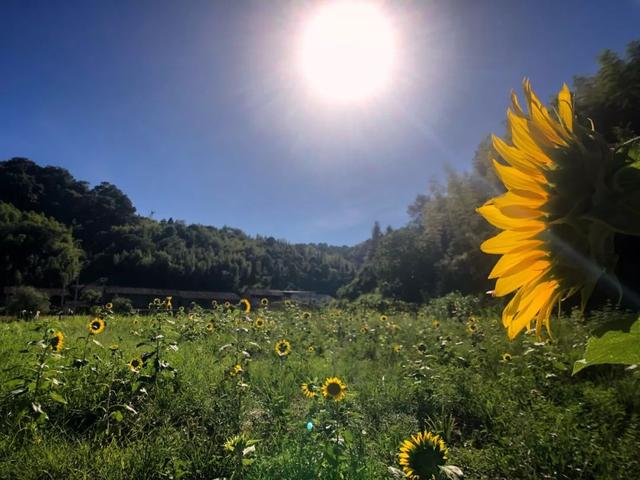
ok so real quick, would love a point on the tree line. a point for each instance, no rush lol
(55, 229)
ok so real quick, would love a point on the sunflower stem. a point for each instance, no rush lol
(626, 142)
(84, 351)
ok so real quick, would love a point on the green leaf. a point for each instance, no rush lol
(56, 397)
(18, 391)
(117, 416)
(614, 347)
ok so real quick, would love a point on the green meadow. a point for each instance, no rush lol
(211, 398)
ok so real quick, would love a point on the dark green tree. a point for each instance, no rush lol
(35, 250)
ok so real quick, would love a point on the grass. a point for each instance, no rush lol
(90, 416)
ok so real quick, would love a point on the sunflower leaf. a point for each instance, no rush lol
(452, 472)
(614, 347)
(56, 397)
(117, 416)
(396, 473)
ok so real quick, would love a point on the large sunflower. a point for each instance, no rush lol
(334, 388)
(422, 455)
(558, 215)
(96, 326)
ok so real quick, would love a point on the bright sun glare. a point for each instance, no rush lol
(347, 51)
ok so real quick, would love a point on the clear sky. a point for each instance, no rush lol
(196, 110)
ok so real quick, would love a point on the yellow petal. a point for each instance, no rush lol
(530, 304)
(509, 240)
(506, 285)
(512, 307)
(514, 179)
(512, 263)
(515, 105)
(565, 107)
(545, 313)
(519, 198)
(523, 138)
(541, 121)
(519, 211)
(518, 158)
(496, 218)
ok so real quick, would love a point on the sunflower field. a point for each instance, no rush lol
(288, 392)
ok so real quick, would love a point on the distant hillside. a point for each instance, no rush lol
(118, 246)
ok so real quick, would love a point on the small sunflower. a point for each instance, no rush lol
(210, 327)
(258, 322)
(309, 390)
(472, 328)
(422, 348)
(227, 306)
(364, 329)
(236, 370)
(109, 306)
(422, 455)
(306, 315)
(214, 304)
(396, 347)
(136, 364)
(135, 321)
(264, 302)
(237, 444)
(334, 388)
(506, 357)
(246, 305)
(311, 349)
(436, 324)
(168, 303)
(56, 342)
(383, 318)
(114, 346)
(282, 348)
(96, 326)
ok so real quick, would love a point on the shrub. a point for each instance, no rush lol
(122, 305)
(92, 297)
(28, 299)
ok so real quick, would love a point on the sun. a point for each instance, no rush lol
(347, 51)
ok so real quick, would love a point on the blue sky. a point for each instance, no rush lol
(195, 111)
